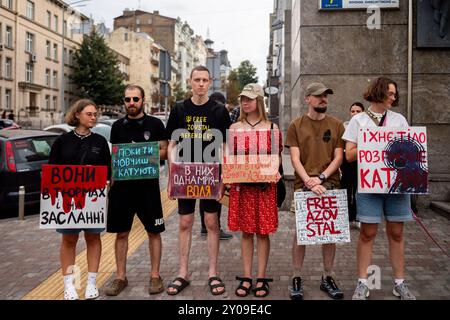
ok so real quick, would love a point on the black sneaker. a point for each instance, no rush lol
(329, 286)
(296, 291)
(224, 235)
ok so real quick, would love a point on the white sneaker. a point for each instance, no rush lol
(91, 292)
(70, 293)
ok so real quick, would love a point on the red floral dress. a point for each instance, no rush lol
(251, 209)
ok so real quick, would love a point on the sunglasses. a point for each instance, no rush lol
(128, 99)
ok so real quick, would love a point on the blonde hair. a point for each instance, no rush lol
(75, 108)
(260, 107)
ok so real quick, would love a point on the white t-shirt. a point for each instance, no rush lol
(393, 119)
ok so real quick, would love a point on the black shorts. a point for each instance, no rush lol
(187, 206)
(124, 203)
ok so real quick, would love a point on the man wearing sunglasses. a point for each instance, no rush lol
(141, 197)
(316, 149)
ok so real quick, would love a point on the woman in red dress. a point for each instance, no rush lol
(253, 207)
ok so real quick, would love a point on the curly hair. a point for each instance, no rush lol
(75, 108)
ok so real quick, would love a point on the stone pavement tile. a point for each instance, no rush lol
(28, 256)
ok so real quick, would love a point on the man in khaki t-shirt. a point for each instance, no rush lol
(316, 149)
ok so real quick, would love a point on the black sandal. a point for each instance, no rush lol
(264, 287)
(242, 287)
(216, 286)
(177, 287)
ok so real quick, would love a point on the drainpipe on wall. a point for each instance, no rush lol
(410, 62)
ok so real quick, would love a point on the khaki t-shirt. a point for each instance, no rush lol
(317, 140)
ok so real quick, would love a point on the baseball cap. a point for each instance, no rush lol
(252, 90)
(316, 89)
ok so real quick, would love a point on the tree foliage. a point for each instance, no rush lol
(246, 73)
(96, 73)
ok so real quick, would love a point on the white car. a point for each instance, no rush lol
(100, 128)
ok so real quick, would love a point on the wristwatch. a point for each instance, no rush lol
(322, 177)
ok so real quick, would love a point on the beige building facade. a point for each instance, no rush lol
(36, 60)
(143, 55)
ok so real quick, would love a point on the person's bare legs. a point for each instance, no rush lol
(366, 239)
(121, 250)
(298, 256)
(328, 254)
(184, 243)
(94, 251)
(155, 248)
(263, 250)
(247, 258)
(394, 231)
(213, 240)
(67, 253)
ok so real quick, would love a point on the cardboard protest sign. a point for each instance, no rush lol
(194, 180)
(321, 219)
(251, 157)
(73, 197)
(135, 161)
(392, 160)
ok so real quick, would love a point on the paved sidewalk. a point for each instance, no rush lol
(28, 256)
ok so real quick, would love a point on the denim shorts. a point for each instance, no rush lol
(76, 231)
(395, 207)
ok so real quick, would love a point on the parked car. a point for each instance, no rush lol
(100, 128)
(22, 154)
(6, 124)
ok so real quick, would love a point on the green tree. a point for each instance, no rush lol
(233, 90)
(96, 73)
(246, 73)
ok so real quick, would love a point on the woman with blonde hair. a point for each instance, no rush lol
(80, 146)
(253, 206)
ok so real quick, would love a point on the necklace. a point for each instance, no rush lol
(253, 125)
(81, 136)
(374, 116)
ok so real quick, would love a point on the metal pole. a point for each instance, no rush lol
(410, 62)
(21, 203)
(63, 106)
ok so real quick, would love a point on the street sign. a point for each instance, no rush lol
(271, 90)
(357, 4)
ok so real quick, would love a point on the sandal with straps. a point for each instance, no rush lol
(242, 287)
(264, 287)
(216, 286)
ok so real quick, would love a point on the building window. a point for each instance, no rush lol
(55, 21)
(29, 42)
(138, 21)
(9, 39)
(126, 36)
(65, 27)
(138, 29)
(8, 95)
(55, 79)
(8, 68)
(30, 10)
(47, 102)
(48, 49)
(9, 4)
(47, 77)
(66, 83)
(55, 102)
(55, 51)
(49, 19)
(29, 73)
(70, 57)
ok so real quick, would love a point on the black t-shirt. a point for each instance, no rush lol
(197, 120)
(70, 149)
(145, 129)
